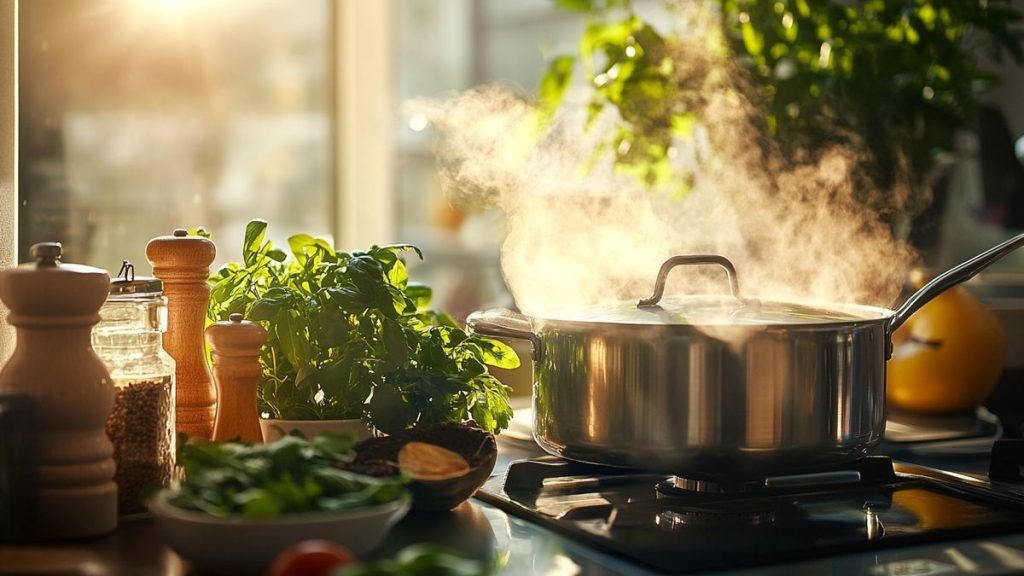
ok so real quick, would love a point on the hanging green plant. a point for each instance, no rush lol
(892, 80)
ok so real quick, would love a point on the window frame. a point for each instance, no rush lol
(364, 123)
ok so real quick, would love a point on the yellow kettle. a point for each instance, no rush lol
(947, 357)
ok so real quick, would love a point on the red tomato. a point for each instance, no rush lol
(311, 558)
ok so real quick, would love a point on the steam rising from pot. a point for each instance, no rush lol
(583, 237)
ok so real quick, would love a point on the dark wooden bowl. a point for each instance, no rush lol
(379, 457)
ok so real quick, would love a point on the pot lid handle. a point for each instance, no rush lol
(690, 260)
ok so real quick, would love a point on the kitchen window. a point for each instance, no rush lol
(139, 116)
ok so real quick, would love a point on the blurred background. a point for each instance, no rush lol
(140, 116)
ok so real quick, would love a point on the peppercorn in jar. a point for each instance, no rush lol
(141, 425)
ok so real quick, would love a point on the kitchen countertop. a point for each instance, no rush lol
(480, 530)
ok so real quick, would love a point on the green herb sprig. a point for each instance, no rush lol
(350, 336)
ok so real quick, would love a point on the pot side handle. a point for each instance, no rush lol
(950, 278)
(504, 323)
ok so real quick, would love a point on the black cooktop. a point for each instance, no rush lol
(678, 526)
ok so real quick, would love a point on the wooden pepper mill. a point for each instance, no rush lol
(236, 348)
(53, 308)
(182, 262)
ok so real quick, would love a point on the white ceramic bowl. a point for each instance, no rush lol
(250, 544)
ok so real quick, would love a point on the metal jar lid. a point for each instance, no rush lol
(128, 285)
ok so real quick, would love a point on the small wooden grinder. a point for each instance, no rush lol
(236, 367)
(182, 262)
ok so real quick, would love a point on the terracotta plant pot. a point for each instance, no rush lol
(274, 429)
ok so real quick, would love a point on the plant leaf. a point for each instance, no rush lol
(291, 335)
(255, 232)
(394, 342)
(420, 294)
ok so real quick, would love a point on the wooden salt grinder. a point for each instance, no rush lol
(236, 368)
(54, 307)
(183, 263)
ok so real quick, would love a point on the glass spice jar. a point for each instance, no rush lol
(141, 425)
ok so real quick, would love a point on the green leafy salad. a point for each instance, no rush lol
(289, 476)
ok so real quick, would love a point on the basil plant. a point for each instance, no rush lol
(349, 336)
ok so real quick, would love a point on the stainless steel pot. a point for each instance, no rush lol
(714, 387)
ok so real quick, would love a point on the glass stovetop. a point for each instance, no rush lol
(672, 531)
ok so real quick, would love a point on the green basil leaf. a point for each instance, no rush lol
(398, 275)
(304, 245)
(395, 342)
(333, 327)
(291, 335)
(221, 291)
(367, 274)
(266, 309)
(554, 84)
(277, 255)
(473, 367)
(199, 231)
(496, 353)
(436, 318)
(386, 257)
(399, 248)
(255, 232)
(298, 244)
(389, 411)
(397, 300)
(420, 294)
(334, 377)
(349, 300)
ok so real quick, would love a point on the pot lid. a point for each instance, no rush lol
(719, 311)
